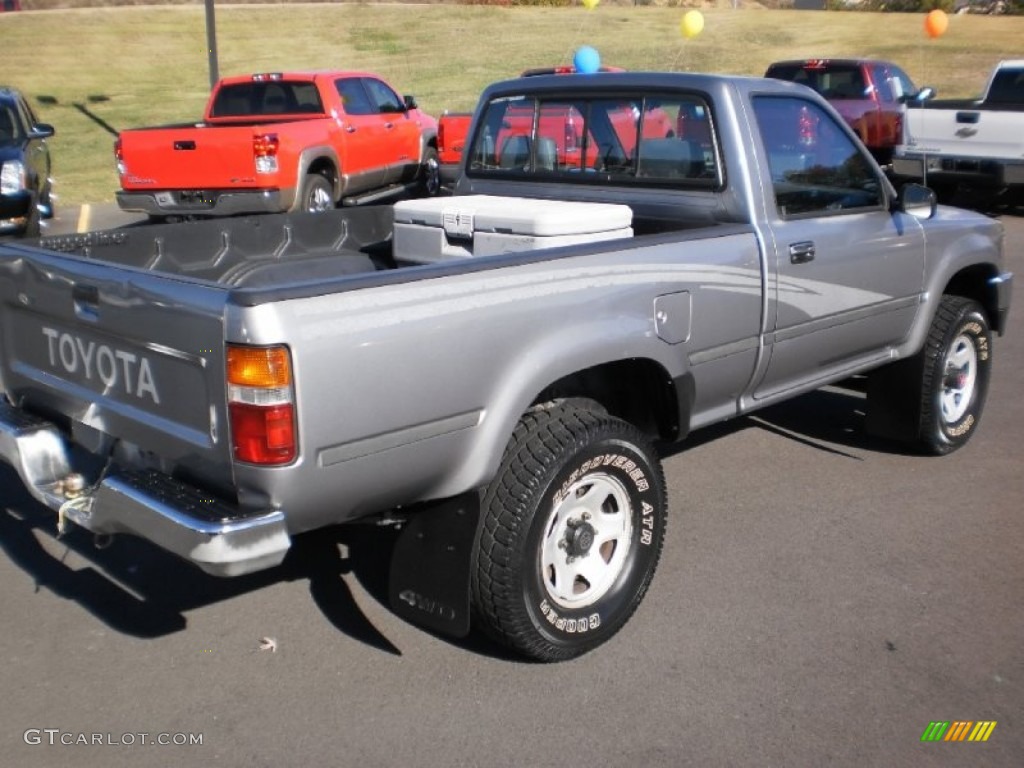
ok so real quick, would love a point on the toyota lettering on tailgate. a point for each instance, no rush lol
(116, 368)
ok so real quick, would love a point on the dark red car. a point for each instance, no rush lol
(868, 93)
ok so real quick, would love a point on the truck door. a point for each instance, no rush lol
(849, 273)
(400, 147)
(362, 162)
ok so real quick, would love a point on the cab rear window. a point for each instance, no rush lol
(602, 139)
(836, 82)
(266, 99)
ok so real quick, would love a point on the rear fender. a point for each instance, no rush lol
(323, 160)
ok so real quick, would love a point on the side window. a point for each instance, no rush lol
(353, 97)
(8, 123)
(386, 100)
(885, 85)
(28, 117)
(815, 166)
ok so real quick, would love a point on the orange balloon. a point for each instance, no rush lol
(936, 23)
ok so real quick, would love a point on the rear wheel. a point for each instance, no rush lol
(317, 195)
(571, 532)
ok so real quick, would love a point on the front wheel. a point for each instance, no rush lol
(957, 364)
(430, 173)
(571, 533)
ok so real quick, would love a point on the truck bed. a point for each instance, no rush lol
(282, 253)
(249, 251)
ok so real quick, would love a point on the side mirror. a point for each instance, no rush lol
(924, 94)
(917, 201)
(41, 131)
(410, 103)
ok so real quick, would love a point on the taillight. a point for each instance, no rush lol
(264, 152)
(261, 404)
(122, 169)
(570, 134)
(440, 135)
(806, 128)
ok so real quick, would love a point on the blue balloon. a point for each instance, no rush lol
(587, 60)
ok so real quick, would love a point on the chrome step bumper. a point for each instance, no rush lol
(173, 515)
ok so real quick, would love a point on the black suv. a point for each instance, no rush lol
(24, 166)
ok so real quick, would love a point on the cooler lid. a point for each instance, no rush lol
(462, 216)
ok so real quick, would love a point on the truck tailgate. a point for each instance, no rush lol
(189, 157)
(110, 350)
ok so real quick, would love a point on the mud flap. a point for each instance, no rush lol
(429, 580)
(894, 401)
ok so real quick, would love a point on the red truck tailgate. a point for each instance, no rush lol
(141, 358)
(189, 157)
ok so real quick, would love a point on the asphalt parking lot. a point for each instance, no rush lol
(821, 599)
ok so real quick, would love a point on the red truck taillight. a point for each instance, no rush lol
(570, 134)
(119, 157)
(261, 404)
(264, 152)
(807, 128)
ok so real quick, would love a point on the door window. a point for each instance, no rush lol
(385, 99)
(354, 97)
(816, 168)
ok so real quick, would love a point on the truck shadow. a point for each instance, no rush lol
(139, 590)
(830, 420)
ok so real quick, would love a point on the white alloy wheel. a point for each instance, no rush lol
(961, 367)
(586, 541)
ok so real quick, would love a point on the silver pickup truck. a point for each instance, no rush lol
(627, 257)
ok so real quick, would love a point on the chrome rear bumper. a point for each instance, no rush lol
(173, 515)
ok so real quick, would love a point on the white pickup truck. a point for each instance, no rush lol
(499, 369)
(974, 145)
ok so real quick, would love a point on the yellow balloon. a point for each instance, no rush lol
(590, 4)
(692, 24)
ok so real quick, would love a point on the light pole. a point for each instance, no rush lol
(211, 42)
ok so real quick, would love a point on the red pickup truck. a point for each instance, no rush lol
(868, 93)
(564, 129)
(281, 142)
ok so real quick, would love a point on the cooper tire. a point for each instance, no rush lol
(571, 532)
(955, 372)
(317, 195)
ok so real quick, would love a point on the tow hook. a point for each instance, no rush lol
(74, 489)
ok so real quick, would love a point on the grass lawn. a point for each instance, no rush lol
(92, 72)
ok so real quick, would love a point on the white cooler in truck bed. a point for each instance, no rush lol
(443, 228)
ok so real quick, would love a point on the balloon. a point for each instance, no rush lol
(590, 4)
(587, 60)
(936, 23)
(692, 24)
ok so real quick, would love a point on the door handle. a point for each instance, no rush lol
(801, 253)
(389, 126)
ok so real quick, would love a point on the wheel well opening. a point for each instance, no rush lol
(638, 391)
(324, 167)
(974, 282)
